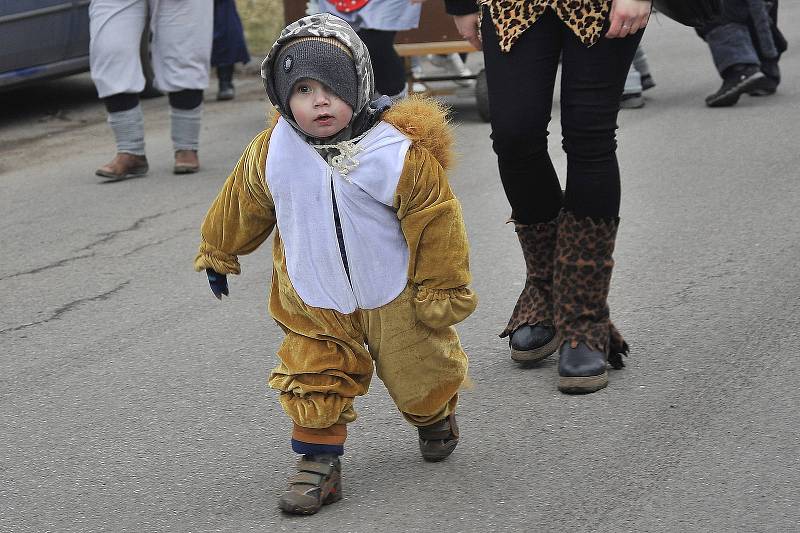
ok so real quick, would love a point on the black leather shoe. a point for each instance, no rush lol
(581, 370)
(764, 87)
(737, 80)
(533, 343)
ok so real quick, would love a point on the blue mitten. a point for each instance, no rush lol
(218, 282)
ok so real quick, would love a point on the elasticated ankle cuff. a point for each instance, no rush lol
(308, 448)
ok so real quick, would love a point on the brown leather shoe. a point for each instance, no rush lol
(124, 166)
(186, 162)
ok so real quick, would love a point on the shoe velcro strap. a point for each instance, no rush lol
(436, 435)
(306, 478)
(313, 466)
(438, 431)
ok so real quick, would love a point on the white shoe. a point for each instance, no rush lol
(455, 65)
(451, 62)
(418, 87)
(416, 67)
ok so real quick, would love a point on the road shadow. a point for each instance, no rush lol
(46, 99)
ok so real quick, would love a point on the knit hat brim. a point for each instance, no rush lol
(323, 59)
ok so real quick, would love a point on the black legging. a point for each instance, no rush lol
(390, 72)
(521, 84)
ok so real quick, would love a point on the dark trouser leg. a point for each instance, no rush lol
(225, 82)
(591, 84)
(390, 73)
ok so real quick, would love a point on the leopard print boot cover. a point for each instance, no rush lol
(535, 303)
(581, 279)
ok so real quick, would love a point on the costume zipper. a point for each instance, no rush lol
(340, 239)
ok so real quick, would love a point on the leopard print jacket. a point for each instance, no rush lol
(512, 17)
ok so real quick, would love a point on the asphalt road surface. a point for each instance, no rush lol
(132, 400)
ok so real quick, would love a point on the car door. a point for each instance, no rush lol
(33, 32)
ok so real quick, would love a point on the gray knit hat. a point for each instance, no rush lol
(324, 59)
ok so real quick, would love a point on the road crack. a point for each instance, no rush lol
(57, 264)
(105, 237)
(66, 308)
(156, 243)
(111, 235)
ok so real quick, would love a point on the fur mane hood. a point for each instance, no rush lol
(426, 122)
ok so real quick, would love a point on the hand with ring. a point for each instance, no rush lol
(467, 26)
(627, 17)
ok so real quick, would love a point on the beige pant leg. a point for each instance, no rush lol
(323, 365)
(422, 368)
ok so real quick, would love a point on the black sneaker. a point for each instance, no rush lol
(738, 80)
(766, 86)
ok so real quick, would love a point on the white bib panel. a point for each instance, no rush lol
(377, 253)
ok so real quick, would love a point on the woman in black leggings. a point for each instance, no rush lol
(567, 239)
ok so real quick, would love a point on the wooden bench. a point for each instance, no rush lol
(409, 50)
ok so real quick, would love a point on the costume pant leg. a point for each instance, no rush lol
(182, 38)
(422, 368)
(323, 364)
(115, 31)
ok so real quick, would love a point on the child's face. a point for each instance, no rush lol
(317, 110)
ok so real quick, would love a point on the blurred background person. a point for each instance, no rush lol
(377, 23)
(639, 80)
(746, 45)
(229, 46)
(181, 51)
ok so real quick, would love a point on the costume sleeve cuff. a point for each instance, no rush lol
(440, 308)
(219, 262)
(460, 7)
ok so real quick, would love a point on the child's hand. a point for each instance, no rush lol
(218, 282)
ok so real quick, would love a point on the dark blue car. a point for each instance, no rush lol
(41, 39)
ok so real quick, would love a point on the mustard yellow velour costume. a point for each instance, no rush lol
(370, 255)
(326, 358)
